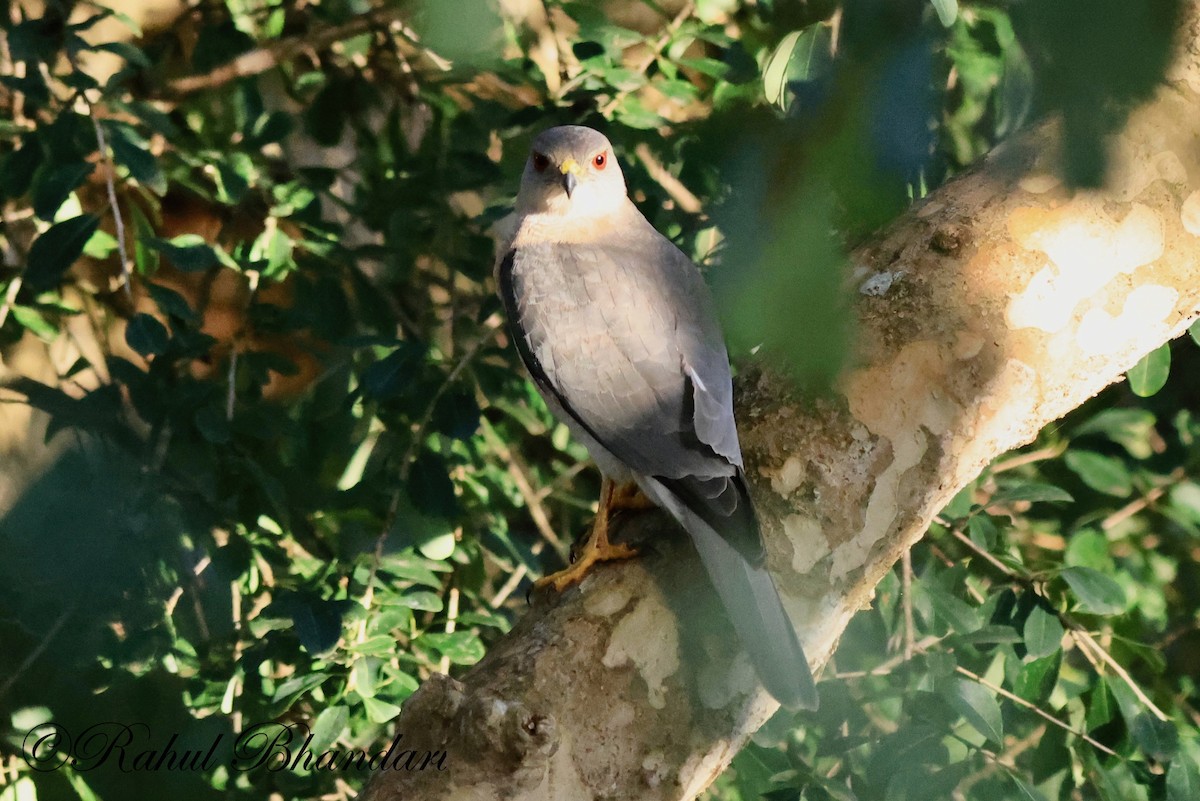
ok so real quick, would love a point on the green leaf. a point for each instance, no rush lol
(133, 153)
(394, 373)
(1150, 374)
(1194, 331)
(802, 55)
(212, 425)
(1101, 707)
(1043, 633)
(134, 56)
(432, 534)
(460, 647)
(1158, 738)
(983, 531)
(418, 599)
(293, 688)
(364, 677)
(146, 335)
(634, 113)
(1030, 492)
(624, 79)
(1183, 778)
(400, 684)
(189, 252)
(19, 167)
(456, 414)
(53, 253)
(430, 488)
(33, 320)
(1096, 592)
(100, 245)
(233, 178)
(318, 623)
(270, 128)
(439, 547)
(947, 11)
(991, 635)
(1089, 548)
(1026, 791)
(54, 185)
(1130, 428)
(171, 303)
(706, 66)
(979, 708)
(380, 711)
(329, 726)
(1185, 499)
(414, 569)
(1102, 473)
(1037, 679)
(955, 612)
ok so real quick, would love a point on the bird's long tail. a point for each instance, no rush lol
(750, 599)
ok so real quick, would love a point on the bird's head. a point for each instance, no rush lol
(571, 170)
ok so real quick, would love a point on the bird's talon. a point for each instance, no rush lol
(591, 556)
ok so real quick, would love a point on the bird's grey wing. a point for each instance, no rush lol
(716, 509)
(600, 338)
(623, 337)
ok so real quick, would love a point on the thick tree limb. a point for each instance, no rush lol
(994, 307)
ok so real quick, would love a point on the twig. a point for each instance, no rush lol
(682, 196)
(10, 298)
(252, 278)
(492, 326)
(231, 376)
(552, 46)
(1091, 649)
(1021, 459)
(262, 59)
(1138, 504)
(1088, 643)
(509, 586)
(886, 667)
(906, 576)
(33, 655)
(533, 500)
(110, 171)
(451, 624)
(1019, 701)
(976, 549)
(562, 479)
(1005, 760)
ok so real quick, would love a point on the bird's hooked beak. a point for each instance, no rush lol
(570, 170)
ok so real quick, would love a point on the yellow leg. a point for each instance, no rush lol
(628, 497)
(595, 549)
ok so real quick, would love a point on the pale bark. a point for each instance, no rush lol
(992, 308)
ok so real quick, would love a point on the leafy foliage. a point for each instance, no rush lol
(1042, 637)
(293, 467)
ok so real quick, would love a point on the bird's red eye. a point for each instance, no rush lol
(540, 162)
(600, 161)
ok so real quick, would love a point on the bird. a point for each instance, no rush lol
(619, 333)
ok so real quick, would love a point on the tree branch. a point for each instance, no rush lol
(261, 59)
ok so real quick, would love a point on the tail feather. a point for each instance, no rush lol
(750, 599)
